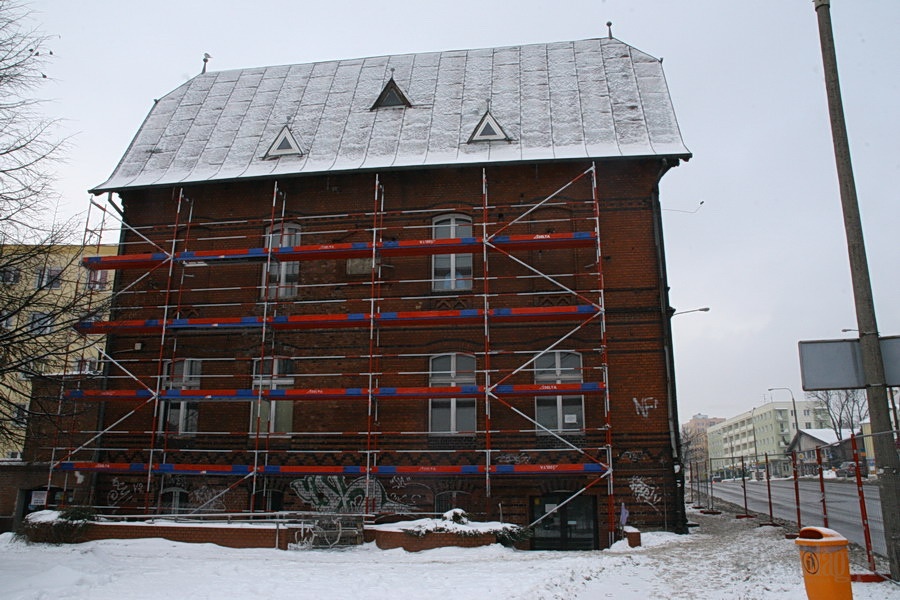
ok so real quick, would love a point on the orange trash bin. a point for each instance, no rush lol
(826, 564)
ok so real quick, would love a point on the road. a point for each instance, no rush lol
(841, 502)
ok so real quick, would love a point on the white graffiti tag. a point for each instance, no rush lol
(645, 492)
(645, 405)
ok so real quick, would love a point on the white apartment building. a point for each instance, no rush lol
(762, 432)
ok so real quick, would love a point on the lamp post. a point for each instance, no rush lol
(683, 312)
(793, 403)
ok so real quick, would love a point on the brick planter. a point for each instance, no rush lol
(388, 540)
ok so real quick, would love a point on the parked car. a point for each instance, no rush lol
(848, 469)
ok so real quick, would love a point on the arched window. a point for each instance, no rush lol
(452, 415)
(282, 279)
(451, 271)
(559, 413)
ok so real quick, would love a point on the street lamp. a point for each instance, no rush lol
(793, 403)
(682, 312)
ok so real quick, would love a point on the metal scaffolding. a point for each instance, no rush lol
(159, 299)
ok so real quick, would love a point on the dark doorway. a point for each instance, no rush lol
(573, 526)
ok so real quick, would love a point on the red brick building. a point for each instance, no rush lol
(393, 285)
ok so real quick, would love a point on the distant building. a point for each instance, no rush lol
(764, 431)
(832, 449)
(694, 440)
(39, 287)
(34, 283)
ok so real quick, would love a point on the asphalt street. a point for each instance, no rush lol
(841, 504)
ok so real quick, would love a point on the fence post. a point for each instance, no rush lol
(822, 485)
(864, 513)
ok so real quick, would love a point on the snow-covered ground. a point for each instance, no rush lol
(723, 558)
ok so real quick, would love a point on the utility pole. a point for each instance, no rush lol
(887, 461)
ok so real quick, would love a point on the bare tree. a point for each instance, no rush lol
(693, 448)
(43, 289)
(847, 409)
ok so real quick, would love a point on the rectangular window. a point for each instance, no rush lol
(9, 275)
(559, 413)
(282, 278)
(97, 280)
(452, 415)
(269, 415)
(451, 271)
(178, 417)
(49, 278)
(7, 321)
(87, 365)
(40, 323)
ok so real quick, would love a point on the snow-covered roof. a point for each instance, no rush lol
(828, 436)
(596, 98)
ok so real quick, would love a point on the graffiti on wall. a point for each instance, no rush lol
(632, 456)
(335, 494)
(122, 492)
(513, 459)
(644, 491)
(643, 406)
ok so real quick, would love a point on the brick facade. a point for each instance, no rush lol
(340, 433)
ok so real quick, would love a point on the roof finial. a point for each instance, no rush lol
(609, 26)
(488, 105)
(206, 57)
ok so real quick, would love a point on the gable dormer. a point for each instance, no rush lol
(284, 145)
(391, 96)
(488, 130)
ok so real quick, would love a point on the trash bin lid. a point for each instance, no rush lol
(820, 536)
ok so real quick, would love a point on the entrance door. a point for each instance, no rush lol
(572, 526)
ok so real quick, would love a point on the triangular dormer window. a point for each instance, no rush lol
(390, 96)
(488, 130)
(284, 145)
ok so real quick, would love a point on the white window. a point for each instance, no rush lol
(452, 415)
(180, 417)
(7, 321)
(559, 413)
(273, 416)
(40, 323)
(282, 279)
(49, 278)
(451, 271)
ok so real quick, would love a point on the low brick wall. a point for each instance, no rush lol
(387, 540)
(230, 537)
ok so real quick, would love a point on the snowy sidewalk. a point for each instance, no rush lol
(723, 558)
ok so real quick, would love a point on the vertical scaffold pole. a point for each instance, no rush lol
(374, 291)
(260, 383)
(485, 290)
(162, 346)
(598, 255)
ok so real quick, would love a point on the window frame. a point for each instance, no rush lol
(453, 376)
(276, 377)
(186, 413)
(49, 278)
(559, 374)
(280, 279)
(10, 275)
(452, 281)
(40, 323)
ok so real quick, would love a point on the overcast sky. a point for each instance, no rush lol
(766, 250)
